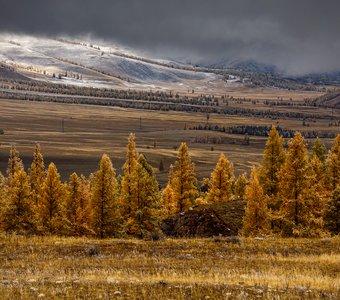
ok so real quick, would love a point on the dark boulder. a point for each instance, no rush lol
(207, 221)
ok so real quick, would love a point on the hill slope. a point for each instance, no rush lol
(329, 100)
(82, 63)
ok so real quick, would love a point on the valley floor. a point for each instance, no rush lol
(74, 136)
(81, 268)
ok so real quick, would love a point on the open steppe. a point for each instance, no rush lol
(75, 136)
(79, 268)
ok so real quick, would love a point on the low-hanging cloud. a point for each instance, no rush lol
(298, 36)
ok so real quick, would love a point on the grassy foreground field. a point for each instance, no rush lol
(59, 268)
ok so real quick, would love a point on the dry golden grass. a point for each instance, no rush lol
(169, 269)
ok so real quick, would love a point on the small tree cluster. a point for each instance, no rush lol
(300, 189)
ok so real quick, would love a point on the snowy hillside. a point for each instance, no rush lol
(83, 63)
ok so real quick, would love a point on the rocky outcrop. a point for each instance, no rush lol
(206, 221)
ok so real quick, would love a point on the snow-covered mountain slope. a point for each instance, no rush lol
(83, 63)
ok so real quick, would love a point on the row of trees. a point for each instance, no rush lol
(291, 193)
(261, 130)
(154, 100)
(130, 94)
(103, 205)
(166, 105)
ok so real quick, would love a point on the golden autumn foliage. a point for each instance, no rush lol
(129, 179)
(78, 205)
(295, 193)
(255, 221)
(139, 193)
(221, 181)
(168, 201)
(333, 165)
(169, 205)
(299, 205)
(14, 163)
(37, 175)
(273, 159)
(240, 186)
(106, 216)
(18, 212)
(3, 189)
(52, 208)
(319, 150)
(184, 183)
(332, 212)
(3, 196)
(146, 215)
(316, 197)
(171, 176)
(317, 190)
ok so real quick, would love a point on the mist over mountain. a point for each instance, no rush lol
(297, 37)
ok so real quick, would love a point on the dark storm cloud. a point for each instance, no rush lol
(296, 35)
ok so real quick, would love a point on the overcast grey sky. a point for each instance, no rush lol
(296, 35)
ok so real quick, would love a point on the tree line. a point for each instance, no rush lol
(291, 193)
(154, 100)
(261, 130)
(164, 105)
(64, 89)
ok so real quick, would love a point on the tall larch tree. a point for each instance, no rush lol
(18, 212)
(333, 165)
(106, 216)
(78, 205)
(315, 197)
(255, 221)
(3, 196)
(52, 206)
(2, 189)
(169, 203)
(273, 159)
(129, 179)
(221, 181)
(171, 176)
(296, 211)
(319, 150)
(185, 182)
(14, 163)
(37, 175)
(332, 212)
(317, 190)
(85, 211)
(72, 201)
(148, 199)
(240, 186)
